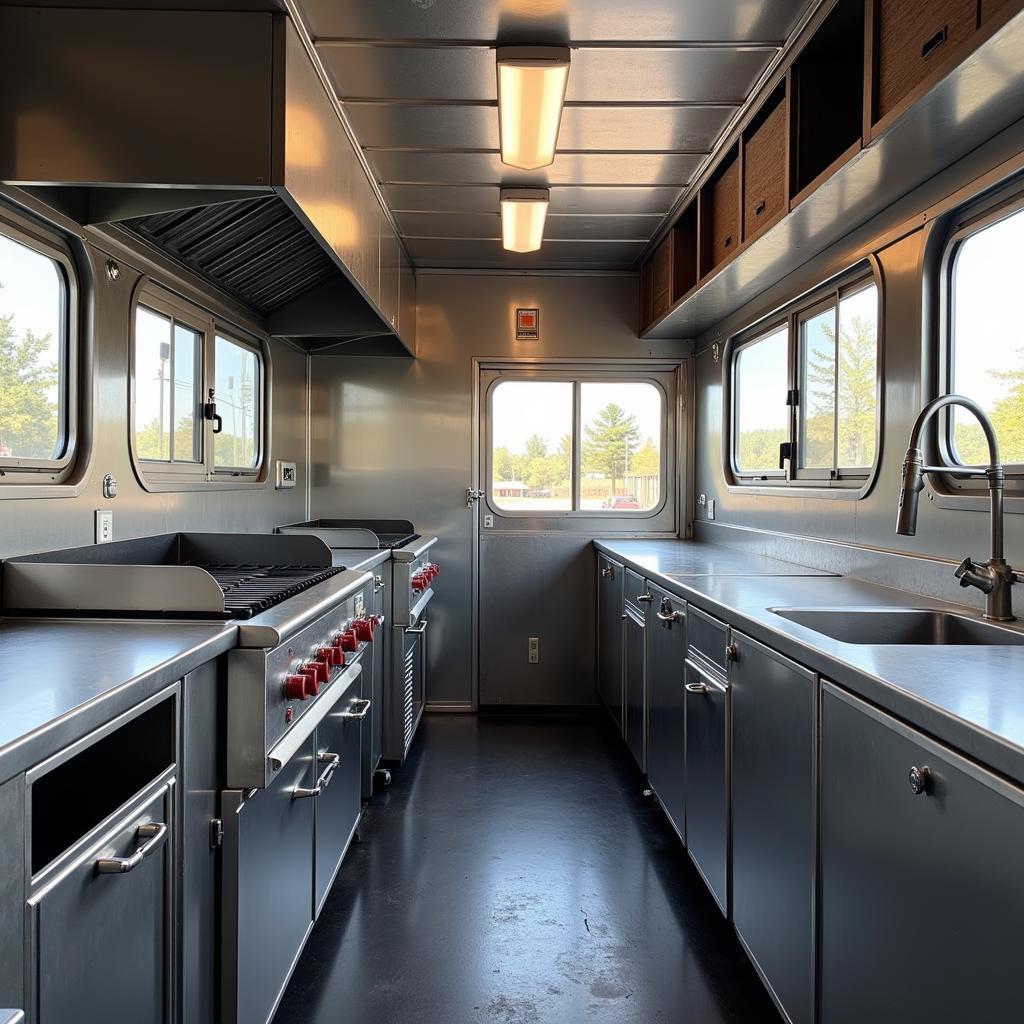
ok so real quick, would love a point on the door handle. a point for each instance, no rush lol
(417, 630)
(646, 598)
(332, 761)
(698, 688)
(608, 572)
(154, 833)
(360, 709)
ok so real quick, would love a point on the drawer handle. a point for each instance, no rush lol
(646, 598)
(931, 45)
(698, 688)
(920, 779)
(154, 833)
(668, 617)
(759, 209)
(358, 711)
(608, 572)
(332, 761)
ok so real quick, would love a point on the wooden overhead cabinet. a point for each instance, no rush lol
(765, 166)
(720, 209)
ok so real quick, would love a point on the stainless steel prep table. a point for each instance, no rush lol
(970, 697)
(62, 678)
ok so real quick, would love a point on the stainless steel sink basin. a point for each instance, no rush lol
(901, 626)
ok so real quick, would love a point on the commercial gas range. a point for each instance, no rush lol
(410, 573)
(288, 760)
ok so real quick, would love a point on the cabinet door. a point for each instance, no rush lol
(101, 935)
(921, 890)
(773, 819)
(609, 635)
(666, 723)
(707, 778)
(337, 807)
(635, 725)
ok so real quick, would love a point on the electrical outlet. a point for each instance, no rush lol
(285, 475)
(534, 650)
(711, 508)
(488, 522)
(104, 526)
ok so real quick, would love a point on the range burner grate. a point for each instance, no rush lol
(251, 589)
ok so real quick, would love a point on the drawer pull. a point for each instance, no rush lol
(154, 835)
(932, 44)
(920, 779)
(608, 572)
(358, 711)
(697, 688)
(759, 209)
(646, 598)
(332, 761)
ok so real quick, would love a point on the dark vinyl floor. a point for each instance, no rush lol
(513, 873)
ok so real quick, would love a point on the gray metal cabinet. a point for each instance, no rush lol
(373, 688)
(610, 577)
(707, 776)
(338, 805)
(634, 674)
(773, 819)
(666, 720)
(101, 933)
(921, 894)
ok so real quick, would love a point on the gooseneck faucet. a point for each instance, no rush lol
(995, 578)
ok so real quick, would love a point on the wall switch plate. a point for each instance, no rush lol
(488, 522)
(285, 475)
(104, 526)
(534, 650)
(711, 508)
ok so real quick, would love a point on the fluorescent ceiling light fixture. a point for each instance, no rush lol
(523, 212)
(531, 90)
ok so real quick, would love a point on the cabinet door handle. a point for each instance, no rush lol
(359, 710)
(608, 572)
(645, 597)
(332, 761)
(154, 833)
(668, 616)
(934, 42)
(920, 779)
(697, 688)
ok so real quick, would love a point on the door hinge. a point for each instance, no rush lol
(216, 833)
(473, 494)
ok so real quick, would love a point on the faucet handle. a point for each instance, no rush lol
(970, 574)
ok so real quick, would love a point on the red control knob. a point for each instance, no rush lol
(348, 641)
(419, 582)
(339, 656)
(377, 620)
(363, 629)
(311, 673)
(295, 687)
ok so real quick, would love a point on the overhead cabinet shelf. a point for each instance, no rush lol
(255, 161)
(893, 85)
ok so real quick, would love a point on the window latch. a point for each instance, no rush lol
(793, 397)
(210, 413)
(785, 452)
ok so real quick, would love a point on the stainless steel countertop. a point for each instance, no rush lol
(969, 697)
(62, 678)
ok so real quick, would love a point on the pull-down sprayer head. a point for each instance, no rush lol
(910, 491)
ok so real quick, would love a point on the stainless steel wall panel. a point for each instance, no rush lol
(518, 600)
(395, 438)
(12, 892)
(552, 23)
(64, 120)
(34, 524)
(616, 74)
(469, 252)
(635, 199)
(420, 166)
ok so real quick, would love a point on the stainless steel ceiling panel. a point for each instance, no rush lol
(465, 252)
(639, 199)
(597, 75)
(488, 225)
(587, 128)
(568, 169)
(553, 21)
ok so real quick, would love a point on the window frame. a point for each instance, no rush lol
(963, 223)
(161, 475)
(42, 472)
(848, 482)
(578, 375)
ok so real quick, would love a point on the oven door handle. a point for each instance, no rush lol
(418, 630)
(295, 738)
(332, 761)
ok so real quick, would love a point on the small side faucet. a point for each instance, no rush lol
(995, 578)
